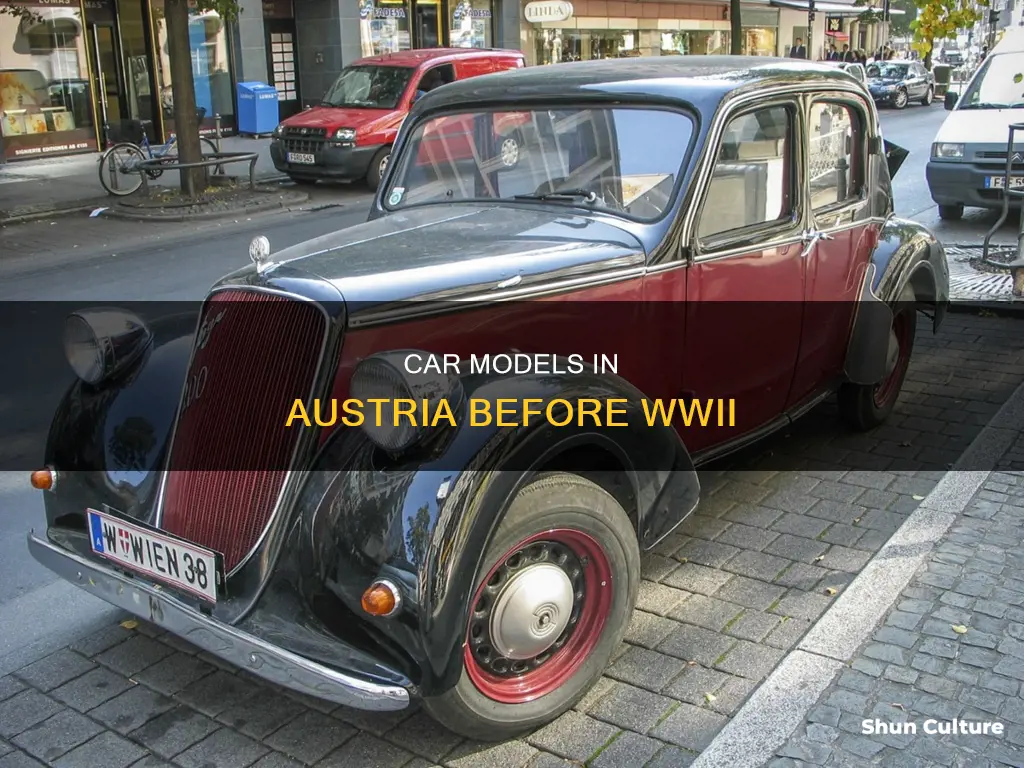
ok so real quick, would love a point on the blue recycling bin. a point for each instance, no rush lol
(257, 108)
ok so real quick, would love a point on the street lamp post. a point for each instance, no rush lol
(810, 29)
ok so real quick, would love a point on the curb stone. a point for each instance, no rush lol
(284, 200)
(777, 708)
(43, 211)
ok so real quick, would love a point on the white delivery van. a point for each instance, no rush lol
(968, 159)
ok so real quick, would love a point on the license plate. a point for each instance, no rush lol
(996, 182)
(166, 558)
(301, 158)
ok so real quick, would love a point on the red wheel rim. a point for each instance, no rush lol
(890, 386)
(551, 669)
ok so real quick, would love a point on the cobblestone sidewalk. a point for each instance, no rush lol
(952, 647)
(777, 537)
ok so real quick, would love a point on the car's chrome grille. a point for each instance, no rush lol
(256, 352)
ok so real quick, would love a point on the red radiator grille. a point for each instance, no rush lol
(255, 354)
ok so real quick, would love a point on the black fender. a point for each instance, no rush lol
(906, 254)
(425, 520)
(110, 441)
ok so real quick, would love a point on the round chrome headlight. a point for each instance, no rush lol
(387, 377)
(101, 342)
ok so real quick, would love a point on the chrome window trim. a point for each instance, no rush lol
(289, 486)
(707, 160)
(797, 223)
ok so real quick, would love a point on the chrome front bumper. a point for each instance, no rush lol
(222, 640)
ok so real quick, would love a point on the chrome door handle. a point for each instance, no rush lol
(811, 238)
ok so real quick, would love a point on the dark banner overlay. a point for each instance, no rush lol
(258, 385)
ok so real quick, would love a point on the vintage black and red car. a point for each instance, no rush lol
(679, 230)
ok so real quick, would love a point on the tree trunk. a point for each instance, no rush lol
(928, 56)
(186, 121)
(736, 27)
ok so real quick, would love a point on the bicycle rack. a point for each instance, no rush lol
(1016, 267)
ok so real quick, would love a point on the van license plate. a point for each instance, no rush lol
(301, 158)
(996, 182)
(166, 558)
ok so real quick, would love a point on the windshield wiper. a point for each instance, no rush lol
(985, 105)
(587, 195)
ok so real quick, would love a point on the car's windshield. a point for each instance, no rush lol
(621, 160)
(368, 87)
(999, 83)
(888, 71)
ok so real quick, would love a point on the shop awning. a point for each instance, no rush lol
(837, 35)
(832, 9)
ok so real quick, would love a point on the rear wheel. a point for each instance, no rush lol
(378, 166)
(550, 605)
(866, 406)
(900, 99)
(951, 212)
(929, 95)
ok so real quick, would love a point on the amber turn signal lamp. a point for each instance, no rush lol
(44, 479)
(381, 599)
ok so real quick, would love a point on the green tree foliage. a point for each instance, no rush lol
(179, 52)
(942, 20)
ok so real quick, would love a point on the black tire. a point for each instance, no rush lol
(550, 506)
(303, 182)
(927, 100)
(900, 100)
(953, 212)
(115, 174)
(378, 166)
(866, 406)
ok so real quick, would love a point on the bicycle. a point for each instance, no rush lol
(122, 160)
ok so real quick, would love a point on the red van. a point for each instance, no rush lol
(349, 136)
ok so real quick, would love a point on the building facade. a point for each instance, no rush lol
(78, 74)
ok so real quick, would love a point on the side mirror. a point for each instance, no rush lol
(950, 100)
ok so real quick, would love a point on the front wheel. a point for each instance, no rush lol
(378, 166)
(866, 406)
(900, 99)
(120, 174)
(953, 212)
(549, 607)
(510, 150)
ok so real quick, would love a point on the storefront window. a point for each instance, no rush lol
(211, 68)
(694, 43)
(471, 24)
(759, 41)
(45, 97)
(383, 26)
(555, 45)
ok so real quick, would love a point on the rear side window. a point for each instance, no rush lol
(835, 155)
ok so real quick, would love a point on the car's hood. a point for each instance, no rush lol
(333, 118)
(876, 81)
(444, 252)
(979, 126)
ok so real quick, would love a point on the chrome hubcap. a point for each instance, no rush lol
(531, 611)
(509, 152)
(384, 164)
(893, 354)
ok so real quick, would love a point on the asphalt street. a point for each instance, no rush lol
(179, 262)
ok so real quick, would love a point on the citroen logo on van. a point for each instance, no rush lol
(1016, 157)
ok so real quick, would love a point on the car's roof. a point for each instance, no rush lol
(418, 56)
(699, 80)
